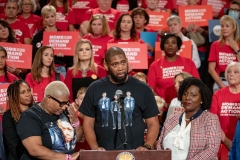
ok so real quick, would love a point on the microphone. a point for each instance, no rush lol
(120, 99)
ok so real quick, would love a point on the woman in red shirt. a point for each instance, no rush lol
(84, 70)
(42, 72)
(99, 36)
(224, 51)
(34, 22)
(65, 15)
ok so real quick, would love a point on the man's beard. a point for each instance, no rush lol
(116, 79)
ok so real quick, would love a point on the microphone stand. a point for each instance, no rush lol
(121, 101)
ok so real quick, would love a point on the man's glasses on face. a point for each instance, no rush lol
(61, 104)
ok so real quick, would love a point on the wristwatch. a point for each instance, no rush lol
(236, 52)
(147, 146)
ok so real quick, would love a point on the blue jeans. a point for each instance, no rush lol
(61, 70)
(2, 151)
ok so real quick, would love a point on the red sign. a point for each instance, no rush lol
(217, 5)
(135, 52)
(18, 55)
(158, 20)
(185, 51)
(3, 94)
(198, 15)
(63, 42)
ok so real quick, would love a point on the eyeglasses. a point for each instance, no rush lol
(61, 104)
(27, 4)
(234, 9)
(98, 16)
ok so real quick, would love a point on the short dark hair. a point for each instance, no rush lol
(141, 11)
(112, 52)
(168, 35)
(205, 92)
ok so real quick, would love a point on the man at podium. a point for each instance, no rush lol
(130, 135)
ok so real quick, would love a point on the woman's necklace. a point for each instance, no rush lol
(84, 72)
(187, 119)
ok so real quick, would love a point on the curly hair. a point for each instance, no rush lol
(166, 37)
(13, 99)
(206, 94)
(117, 28)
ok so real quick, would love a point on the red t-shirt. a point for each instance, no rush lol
(161, 73)
(121, 40)
(226, 106)
(122, 6)
(80, 7)
(2, 6)
(162, 4)
(69, 76)
(21, 30)
(11, 78)
(33, 22)
(39, 88)
(99, 47)
(222, 55)
(64, 20)
(112, 16)
(2, 16)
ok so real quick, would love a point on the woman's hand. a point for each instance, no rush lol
(72, 114)
(150, 48)
(13, 70)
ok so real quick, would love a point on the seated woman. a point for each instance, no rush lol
(175, 25)
(8, 36)
(46, 130)
(43, 72)
(84, 70)
(27, 8)
(195, 133)
(175, 105)
(162, 71)
(98, 35)
(228, 46)
(5, 76)
(225, 105)
(19, 99)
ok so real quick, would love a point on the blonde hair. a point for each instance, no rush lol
(160, 102)
(140, 75)
(235, 26)
(56, 89)
(48, 9)
(81, 91)
(105, 29)
(76, 61)
(174, 18)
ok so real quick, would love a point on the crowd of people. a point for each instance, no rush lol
(95, 100)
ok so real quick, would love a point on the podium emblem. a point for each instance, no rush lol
(125, 156)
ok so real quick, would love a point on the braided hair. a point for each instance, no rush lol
(13, 99)
(206, 94)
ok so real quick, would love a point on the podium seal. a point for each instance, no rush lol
(125, 156)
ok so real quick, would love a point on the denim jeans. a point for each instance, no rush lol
(61, 70)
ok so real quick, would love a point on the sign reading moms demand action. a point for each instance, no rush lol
(63, 42)
(18, 55)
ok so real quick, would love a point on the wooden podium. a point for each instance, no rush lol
(125, 155)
